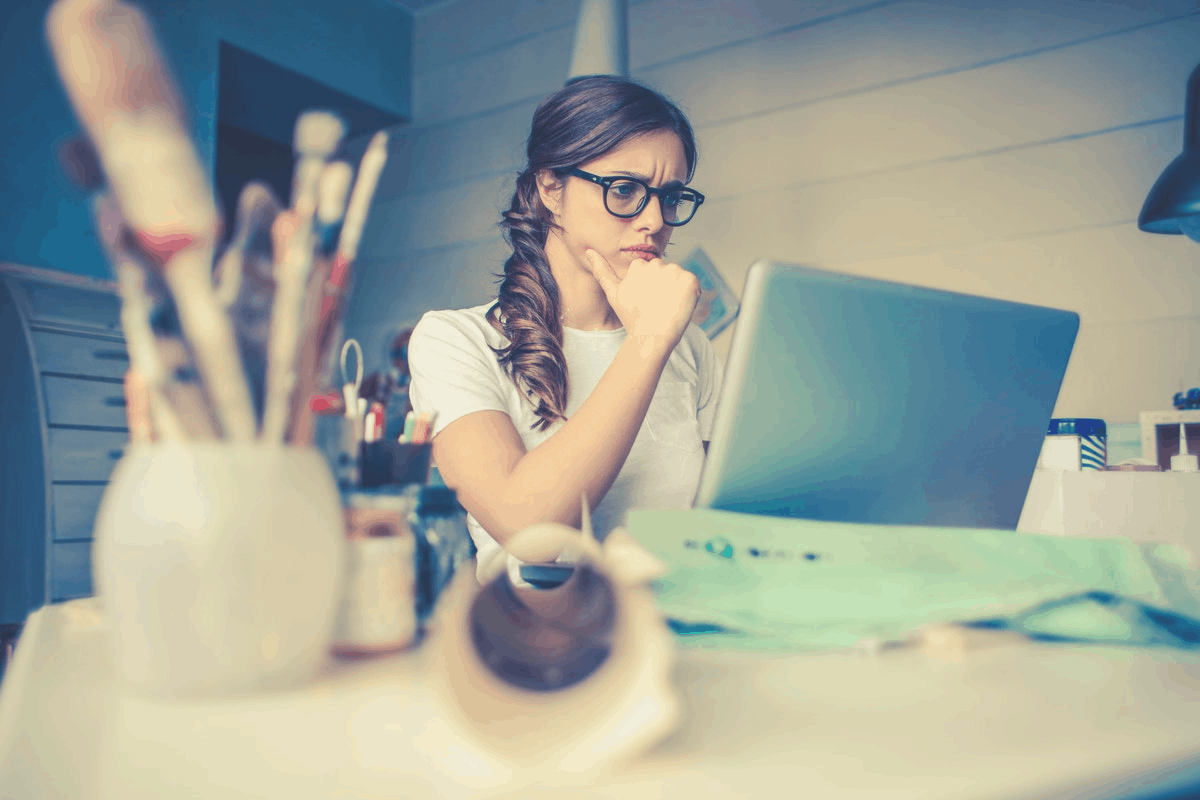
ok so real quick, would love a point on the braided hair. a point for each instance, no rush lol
(580, 122)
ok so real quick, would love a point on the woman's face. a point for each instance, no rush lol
(578, 205)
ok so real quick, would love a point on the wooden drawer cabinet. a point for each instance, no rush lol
(63, 362)
(73, 508)
(75, 401)
(82, 455)
(70, 570)
(70, 354)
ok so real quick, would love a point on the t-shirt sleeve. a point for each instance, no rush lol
(454, 372)
(711, 374)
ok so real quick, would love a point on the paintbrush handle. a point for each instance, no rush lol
(188, 275)
(120, 87)
(287, 328)
(369, 170)
(145, 356)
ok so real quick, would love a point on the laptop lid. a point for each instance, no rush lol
(861, 400)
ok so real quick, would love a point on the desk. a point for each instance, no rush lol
(1018, 720)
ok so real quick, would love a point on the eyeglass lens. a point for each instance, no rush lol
(626, 198)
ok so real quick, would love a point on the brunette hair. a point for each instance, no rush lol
(582, 121)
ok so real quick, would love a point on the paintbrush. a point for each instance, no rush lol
(332, 191)
(247, 284)
(120, 88)
(370, 167)
(318, 135)
(158, 354)
(137, 409)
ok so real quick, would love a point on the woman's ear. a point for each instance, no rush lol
(550, 188)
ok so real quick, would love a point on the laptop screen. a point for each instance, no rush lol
(860, 400)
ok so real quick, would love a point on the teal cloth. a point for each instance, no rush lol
(745, 581)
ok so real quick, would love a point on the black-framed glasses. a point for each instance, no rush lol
(625, 197)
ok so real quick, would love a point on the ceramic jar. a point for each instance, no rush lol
(219, 566)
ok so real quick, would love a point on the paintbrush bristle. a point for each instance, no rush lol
(318, 133)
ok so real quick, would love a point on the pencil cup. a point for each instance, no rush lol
(386, 462)
(219, 566)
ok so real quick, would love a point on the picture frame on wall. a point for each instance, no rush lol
(718, 304)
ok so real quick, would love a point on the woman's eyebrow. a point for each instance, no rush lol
(646, 179)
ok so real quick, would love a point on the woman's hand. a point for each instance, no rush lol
(655, 301)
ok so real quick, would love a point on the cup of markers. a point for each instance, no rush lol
(403, 461)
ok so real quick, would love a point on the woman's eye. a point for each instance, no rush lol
(672, 200)
(624, 189)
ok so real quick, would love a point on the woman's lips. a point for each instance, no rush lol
(639, 252)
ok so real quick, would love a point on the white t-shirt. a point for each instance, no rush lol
(455, 373)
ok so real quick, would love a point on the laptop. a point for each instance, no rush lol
(858, 400)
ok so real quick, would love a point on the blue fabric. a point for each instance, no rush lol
(756, 582)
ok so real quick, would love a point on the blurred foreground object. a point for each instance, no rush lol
(218, 549)
(570, 681)
(219, 566)
(121, 90)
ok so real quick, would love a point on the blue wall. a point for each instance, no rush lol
(359, 47)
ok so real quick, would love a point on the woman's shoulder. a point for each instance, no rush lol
(470, 323)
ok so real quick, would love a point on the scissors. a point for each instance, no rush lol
(350, 388)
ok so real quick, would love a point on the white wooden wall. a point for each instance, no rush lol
(996, 148)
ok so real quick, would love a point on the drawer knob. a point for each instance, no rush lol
(114, 402)
(111, 355)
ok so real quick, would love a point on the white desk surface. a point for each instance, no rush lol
(1014, 720)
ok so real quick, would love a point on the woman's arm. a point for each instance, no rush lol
(481, 455)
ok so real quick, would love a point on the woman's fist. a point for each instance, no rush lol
(655, 299)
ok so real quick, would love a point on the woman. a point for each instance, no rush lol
(584, 377)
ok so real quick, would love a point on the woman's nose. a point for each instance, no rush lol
(651, 218)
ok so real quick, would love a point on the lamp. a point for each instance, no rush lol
(601, 40)
(1173, 205)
